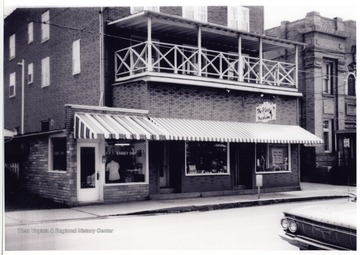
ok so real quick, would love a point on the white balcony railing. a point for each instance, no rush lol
(181, 59)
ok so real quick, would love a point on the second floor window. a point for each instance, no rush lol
(76, 68)
(136, 9)
(12, 85)
(195, 12)
(12, 47)
(45, 26)
(238, 18)
(45, 72)
(30, 32)
(30, 73)
(328, 75)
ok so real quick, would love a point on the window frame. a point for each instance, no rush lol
(51, 154)
(76, 57)
(30, 74)
(207, 173)
(12, 46)
(329, 132)
(328, 77)
(12, 83)
(238, 19)
(30, 32)
(145, 164)
(196, 13)
(45, 26)
(45, 72)
(267, 159)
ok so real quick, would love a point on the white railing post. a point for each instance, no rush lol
(149, 49)
(261, 61)
(220, 65)
(175, 60)
(199, 51)
(240, 65)
(296, 66)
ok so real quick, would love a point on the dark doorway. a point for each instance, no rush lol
(243, 160)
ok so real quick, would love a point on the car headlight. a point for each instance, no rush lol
(284, 223)
(293, 226)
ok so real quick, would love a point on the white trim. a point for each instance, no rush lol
(105, 108)
(76, 57)
(45, 72)
(30, 73)
(210, 82)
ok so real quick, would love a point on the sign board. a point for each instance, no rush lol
(266, 112)
(346, 142)
(259, 180)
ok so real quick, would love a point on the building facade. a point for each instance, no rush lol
(122, 104)
(327, 80)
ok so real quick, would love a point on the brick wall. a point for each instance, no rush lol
(206, 183)
(171, 100)
(68, 25)
(56, 185)
(124, 193)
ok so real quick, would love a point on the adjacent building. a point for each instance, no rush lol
(327, 75)
(121, 104)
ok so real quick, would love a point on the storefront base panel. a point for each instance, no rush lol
(125, 193)
(206, 183)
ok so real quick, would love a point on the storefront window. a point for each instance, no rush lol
(206, 158)
(125, 161)
(272, 158)
(58, 154)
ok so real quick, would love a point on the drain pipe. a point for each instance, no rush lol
(22, 64)
(101, 62)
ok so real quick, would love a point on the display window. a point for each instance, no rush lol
(204, 158)
(272, 158)
(125, 161)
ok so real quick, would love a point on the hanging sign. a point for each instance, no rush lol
(266, 112)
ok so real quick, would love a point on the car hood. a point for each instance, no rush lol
(339, 214)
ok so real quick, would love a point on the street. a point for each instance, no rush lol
(251, 228)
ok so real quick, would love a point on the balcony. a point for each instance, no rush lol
(192, 61)
(172, 47)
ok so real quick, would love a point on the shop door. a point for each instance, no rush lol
(245, 160)
(88, 174)
(164, 174)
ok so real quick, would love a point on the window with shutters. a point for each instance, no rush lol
(30, 78)
(45, 26)
(12, 47)
(238, 18)
(198, 13)
(30, 32)
(76, 65)
(45, 72)
(136, 9)
(12, 84)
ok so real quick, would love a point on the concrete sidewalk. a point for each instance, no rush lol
(309, 191)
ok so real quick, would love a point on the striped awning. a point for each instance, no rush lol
(90, 125)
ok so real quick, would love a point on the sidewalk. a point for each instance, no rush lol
(310, 191)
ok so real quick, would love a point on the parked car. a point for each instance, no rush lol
(321, 227)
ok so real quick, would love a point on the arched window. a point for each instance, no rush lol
(351, 81)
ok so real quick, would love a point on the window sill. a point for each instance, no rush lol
(58, 171)
(124, 184)
(206, 174)
(274, 172)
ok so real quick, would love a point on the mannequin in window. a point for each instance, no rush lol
(112, 170)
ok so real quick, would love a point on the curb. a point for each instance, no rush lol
(232, 205)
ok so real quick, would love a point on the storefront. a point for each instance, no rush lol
(125, 157)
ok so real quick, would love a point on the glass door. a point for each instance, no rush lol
(88, 174)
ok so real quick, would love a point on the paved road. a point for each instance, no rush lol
(251, 228)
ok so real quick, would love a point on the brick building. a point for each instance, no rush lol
(120, 104)
(327, 76)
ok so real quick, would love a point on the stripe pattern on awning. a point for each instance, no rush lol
(91, 125)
